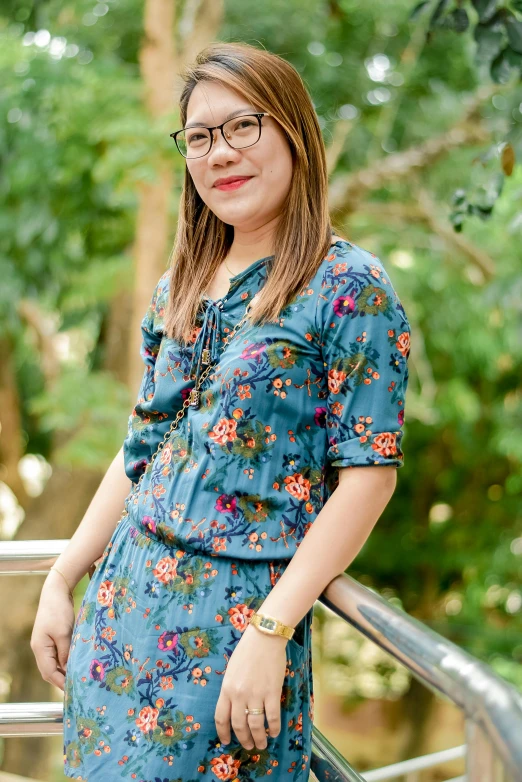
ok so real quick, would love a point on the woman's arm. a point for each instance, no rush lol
(332, 542)
(97, 526)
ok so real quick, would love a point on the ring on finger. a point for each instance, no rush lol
(254, 711)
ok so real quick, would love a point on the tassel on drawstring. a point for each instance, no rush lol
(205, 347)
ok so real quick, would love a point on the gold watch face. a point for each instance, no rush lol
(267, 624)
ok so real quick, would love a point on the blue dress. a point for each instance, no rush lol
(220, 514)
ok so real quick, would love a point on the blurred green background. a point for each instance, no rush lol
(421, 111)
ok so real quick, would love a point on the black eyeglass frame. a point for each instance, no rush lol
(257, 114)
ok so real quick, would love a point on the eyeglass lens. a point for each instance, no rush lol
(239, 132)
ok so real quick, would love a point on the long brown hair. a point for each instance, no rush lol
(304, 231)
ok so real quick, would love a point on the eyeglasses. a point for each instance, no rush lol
(239, 132)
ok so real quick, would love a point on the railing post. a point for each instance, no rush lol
(482, 762)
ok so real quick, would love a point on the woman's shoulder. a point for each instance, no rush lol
(347, 263)
(350, 256)
(162, 287)
(353, 280)
(155, 315)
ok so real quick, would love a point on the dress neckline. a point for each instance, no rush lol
(237, 278)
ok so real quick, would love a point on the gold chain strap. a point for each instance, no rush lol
(179, 415)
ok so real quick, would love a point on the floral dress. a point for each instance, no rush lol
(220, 514)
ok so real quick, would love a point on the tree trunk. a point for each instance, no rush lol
(10, 425)
(157, 63)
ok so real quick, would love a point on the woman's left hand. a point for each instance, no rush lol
(253, 679)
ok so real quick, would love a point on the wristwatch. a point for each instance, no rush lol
(267, 624)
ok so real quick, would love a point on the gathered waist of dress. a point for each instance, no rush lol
(150, 533)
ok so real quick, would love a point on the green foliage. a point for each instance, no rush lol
(88, 407)
(497, 33)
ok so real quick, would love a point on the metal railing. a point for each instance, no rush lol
(491, 707)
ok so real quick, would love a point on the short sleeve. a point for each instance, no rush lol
(142, 435)
(365, 344)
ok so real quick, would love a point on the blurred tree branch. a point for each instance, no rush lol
(347, 190)
(424, 210)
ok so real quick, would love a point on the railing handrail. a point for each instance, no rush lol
(485, 698)
(470, 684)
(404, 767)
(26, 557)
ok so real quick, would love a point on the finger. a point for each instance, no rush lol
(256, 723)
(58, 679)
(240, 724)
(63, 653)
(273, 715)
(46, 660)
(222, 718)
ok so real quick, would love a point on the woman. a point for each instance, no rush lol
(255, 501)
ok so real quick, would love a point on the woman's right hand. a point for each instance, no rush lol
(52, 630)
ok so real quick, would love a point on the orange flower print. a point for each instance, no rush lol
(219, 544)
(166, 454)
(298, 486)
(240, 616)
(337, 408)
(194, 333)
(335, 380)
(147, 719)
(105, 595)
(159, 490)
(403, 343)
(385, 444)
(225, 767)
(165, 569)
(243, 391)
(224, 431)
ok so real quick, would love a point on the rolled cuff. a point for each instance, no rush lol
(381, 448)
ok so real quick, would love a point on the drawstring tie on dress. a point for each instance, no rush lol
(206, 344)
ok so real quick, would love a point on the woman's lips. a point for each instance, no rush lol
(233, 185)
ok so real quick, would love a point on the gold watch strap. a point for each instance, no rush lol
(271, 626)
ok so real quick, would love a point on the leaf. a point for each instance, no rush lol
(489, 40)
(419, 8)
(508, 159)
(485, 8)
(513, 58)
(457, 219)
(489, 193)
(438, 12)
(514, 33)
(501, 68)
(457, 20)
(458, 198)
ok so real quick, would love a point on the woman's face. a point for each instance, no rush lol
(268, 161)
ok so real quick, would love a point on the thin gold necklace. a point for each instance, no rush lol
(228, 267)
